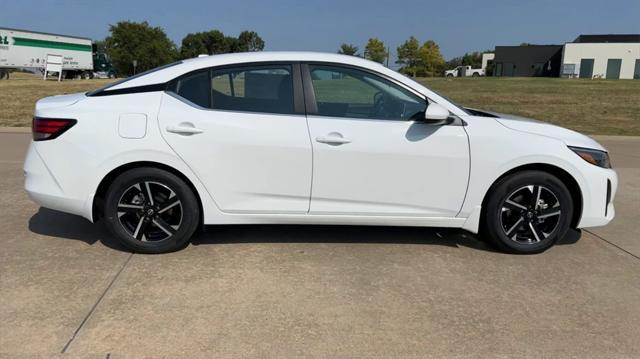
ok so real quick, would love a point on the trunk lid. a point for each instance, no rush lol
(59, 101)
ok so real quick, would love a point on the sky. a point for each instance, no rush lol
(457, 26)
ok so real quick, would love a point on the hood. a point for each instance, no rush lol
(524, 124)
(59, 101)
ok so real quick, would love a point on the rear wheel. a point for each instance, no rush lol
(527, 212)
(151, 211)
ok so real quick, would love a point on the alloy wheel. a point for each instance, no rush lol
(150, 211)
(530, 214)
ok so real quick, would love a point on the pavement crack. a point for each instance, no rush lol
(95, 305)
(611, 243)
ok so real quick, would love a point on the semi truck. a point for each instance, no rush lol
(22, 49)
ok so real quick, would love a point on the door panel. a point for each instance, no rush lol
(586, 68)
(388, 167)
(370, 155)
(250, 162)
(613, 68)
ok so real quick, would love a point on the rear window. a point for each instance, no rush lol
(94, 92)
(253, 89)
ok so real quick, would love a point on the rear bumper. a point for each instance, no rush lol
(43, 188)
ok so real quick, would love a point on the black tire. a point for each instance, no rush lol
(163, 224)
(475, 74)
(545, 218)
(449, 75)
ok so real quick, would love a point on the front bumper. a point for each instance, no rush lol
(598, 194)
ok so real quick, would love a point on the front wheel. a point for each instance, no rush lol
(527, 212)
(151, 211)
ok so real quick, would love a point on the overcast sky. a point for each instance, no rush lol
(458, 26)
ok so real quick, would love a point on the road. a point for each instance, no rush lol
(315, 291)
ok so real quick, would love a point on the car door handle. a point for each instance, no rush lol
(333, 139)
(184, 129)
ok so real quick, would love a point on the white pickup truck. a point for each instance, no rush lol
(464, 71)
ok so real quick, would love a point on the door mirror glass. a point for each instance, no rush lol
(435, 113)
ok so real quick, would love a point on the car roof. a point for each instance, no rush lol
(185, 66)
(170, 72)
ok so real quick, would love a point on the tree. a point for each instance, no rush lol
(215, 42)
(453, 63)
(348, 49)
(473, 59)
(432, 60)
(208, 43)
(250, 41)
(148, 46)
(375, 50)
(409, 56)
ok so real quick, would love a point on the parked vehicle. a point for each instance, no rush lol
(29, 49)
(307, 138)
(464, 71)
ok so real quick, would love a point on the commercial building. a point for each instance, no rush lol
(528, 60)
(602, 56)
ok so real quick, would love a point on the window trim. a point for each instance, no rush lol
(298, 97)
(310, 95)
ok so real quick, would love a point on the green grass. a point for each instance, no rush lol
(605, 107)
(590, 106)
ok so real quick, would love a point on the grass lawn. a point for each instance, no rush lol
(603, 107)
(589, 106)
(19, 94)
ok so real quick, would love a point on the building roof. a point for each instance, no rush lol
(607, 38)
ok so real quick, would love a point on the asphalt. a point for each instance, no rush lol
(68, 290)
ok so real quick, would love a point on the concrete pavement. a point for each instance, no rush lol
(315, 291)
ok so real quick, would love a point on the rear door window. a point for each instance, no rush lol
(266, 89)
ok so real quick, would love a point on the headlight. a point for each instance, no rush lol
(595, 157)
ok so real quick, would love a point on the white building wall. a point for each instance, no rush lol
(601, 52)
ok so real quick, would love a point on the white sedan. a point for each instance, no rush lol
(307, 138)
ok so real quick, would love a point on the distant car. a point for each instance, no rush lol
(307, 138)
(464, 71)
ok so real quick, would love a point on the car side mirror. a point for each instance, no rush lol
(435, 114)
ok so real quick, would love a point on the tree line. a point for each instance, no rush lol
(415, 58)
(150, 46)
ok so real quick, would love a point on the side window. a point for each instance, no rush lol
(253, 89)
(344, 92)
(194, 87)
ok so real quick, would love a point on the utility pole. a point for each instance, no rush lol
(388, 49)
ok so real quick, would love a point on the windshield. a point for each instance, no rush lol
(90, 93)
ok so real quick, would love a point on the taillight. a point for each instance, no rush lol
(49, 128)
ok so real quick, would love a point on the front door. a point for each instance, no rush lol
(242, 133)
(371, 156)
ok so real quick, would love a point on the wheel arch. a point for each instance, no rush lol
(564, 176)
(101, 191)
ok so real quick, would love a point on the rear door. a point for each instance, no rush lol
(243, 131)
(371, 156)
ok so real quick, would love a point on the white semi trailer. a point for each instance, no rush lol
(29, 49)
